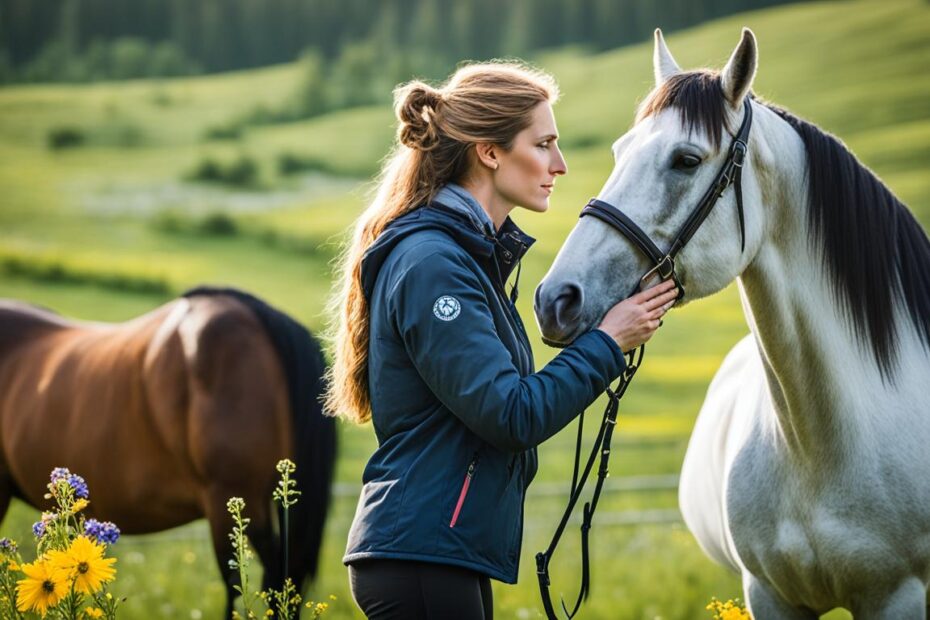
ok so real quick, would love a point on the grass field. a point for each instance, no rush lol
(96, 213)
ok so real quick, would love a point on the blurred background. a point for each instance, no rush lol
(153, 145)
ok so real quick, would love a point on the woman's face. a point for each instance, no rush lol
(526, 173)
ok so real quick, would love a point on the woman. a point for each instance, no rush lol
(430, 346)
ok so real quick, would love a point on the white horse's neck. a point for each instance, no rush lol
(828, 394)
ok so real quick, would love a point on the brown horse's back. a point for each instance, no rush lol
(154, 413)
(69, 397)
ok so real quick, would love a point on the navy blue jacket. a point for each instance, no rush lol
(456, 406)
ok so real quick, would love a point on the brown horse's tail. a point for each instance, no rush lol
(314, 441)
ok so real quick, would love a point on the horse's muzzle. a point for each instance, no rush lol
(558, 311)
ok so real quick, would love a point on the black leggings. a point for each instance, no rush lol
(409, 590)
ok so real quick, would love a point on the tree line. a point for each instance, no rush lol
(85, 40)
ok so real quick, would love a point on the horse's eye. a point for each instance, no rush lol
(687, 162)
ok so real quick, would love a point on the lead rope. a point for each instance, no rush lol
(602, 446)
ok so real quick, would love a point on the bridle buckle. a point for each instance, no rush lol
(542, 567)
(739, 153)
(665, 269)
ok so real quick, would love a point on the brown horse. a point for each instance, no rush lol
(168, 415)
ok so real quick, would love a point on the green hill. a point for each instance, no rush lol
(111, 227)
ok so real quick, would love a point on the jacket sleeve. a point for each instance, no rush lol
(463, 361)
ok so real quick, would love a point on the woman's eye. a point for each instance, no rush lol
(687, 162)
(543, 145)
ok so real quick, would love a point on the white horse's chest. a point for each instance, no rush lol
(823, 542)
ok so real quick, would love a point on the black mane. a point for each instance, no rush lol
(876, 253)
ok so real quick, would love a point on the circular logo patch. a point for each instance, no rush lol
(447, 308)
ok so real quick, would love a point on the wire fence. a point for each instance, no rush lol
(622, 484)
(543, 490)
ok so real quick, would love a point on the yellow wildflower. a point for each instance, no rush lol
(79, 505)
(83, 563)
(93, 612)
(729, 610)
(40, 589)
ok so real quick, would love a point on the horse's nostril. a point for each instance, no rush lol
(568, 304)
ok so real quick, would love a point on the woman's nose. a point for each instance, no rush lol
(558, 165)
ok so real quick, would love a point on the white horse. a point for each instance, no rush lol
(809, 468)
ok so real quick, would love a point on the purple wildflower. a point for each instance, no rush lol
(38, 529)
(7, 545)
(103, 532)
(60, 473)
(80, 487)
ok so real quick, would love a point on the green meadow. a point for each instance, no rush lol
(114, 226)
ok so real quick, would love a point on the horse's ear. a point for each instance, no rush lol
(736, 78)
(663, 65)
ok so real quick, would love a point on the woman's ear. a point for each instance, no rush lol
(487, 155)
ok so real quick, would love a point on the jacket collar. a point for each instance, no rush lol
(511, 242)
(460, 199)
(501, 250)
(498, 253)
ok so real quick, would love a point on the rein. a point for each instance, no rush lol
(602, 446)
(664, 267)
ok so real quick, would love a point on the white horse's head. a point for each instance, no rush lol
(663, 167)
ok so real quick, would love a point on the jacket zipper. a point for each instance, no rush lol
(467, 483)
(500, 287)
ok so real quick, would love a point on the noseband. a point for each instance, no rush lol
(664, 262)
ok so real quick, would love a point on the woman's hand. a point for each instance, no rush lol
(633, 321)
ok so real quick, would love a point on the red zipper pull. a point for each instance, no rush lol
(467, 483)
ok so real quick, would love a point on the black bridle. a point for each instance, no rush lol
(664, 262)
(664, 267)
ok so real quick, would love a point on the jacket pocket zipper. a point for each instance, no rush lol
(467, 483)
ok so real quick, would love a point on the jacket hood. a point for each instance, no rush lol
(503, 250)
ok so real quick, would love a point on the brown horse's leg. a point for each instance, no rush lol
(239, 421)
(6, 493)
(268, 548)
(221, 525)
(259, 531)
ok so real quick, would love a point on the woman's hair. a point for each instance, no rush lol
(489, 103)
